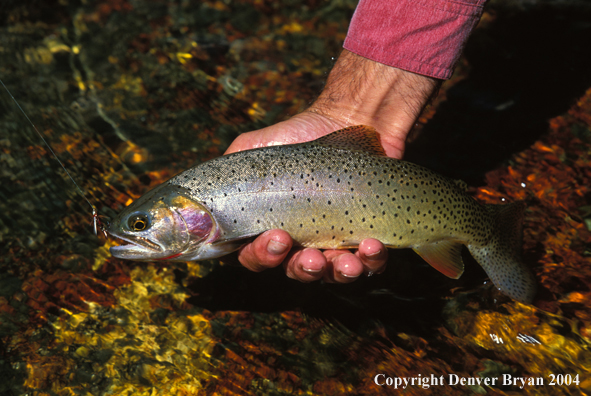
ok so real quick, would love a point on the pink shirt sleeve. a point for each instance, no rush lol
(424, 36)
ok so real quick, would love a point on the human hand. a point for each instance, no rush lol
(358, 91)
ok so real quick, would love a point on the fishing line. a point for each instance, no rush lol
(97, 224)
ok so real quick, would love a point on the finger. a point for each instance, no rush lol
(373, 255)
(342, 266)
(268, 250)
(306, 265)
(346, 267)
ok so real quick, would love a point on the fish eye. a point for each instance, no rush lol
(138, 222)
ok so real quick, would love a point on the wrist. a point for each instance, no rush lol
(362, 91)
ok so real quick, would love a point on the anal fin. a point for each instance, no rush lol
(444, 256)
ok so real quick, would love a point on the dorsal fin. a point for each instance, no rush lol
(358, 137)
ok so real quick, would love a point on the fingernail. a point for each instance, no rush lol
(276, 248)
(373, 255)
(348, 276)
(311, 270)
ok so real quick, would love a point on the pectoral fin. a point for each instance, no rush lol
(444, 256)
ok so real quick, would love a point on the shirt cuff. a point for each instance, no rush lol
(425, 37)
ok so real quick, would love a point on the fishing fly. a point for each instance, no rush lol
(96, 221)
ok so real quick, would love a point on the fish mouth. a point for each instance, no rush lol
(133, 246)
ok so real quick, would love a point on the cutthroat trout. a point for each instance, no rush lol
(330, 193)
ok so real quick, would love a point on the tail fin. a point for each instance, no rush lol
(501, 257)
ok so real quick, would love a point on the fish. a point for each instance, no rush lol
(329, 193)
